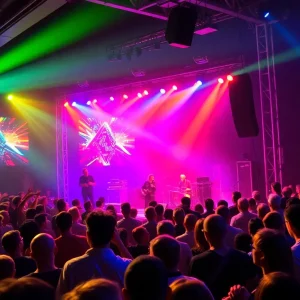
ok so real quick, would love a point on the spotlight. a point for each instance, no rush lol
(111, 98)
(174, 87)
(95, 101)
(140, 95)
(66, 104)
(125, 96)
(89, 102)
(162, 91)
(146, 92)
(229, 78)
(10, 97)
(74, 103)
(198, 83)
(221, 80)
(266, 15)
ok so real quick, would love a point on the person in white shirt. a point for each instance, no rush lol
(167, 227)
(242, 219)
(99, 261)
(77, 227)
(189, 225)
(128, 223)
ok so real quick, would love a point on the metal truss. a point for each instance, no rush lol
(62, 168)
(269, 105)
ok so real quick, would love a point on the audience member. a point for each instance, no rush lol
(6, 226)
(273, 220)
(168, 214)
(151, 224)
(278, 285)
(201, 242)
(142, 238)
(293, 201)
(76, 203)
(223, 202)
(252, 206)
(152, 203)
(87, 209)
(41, 221)
(254, 225)
(133, 212)
(112, 211)
(61, 205)
(243, 242)
(191, 289)
(40, 209)
(99, 261)
(42, 250)
(178, 217)
(28, 231)
(100, 203)
(95, 289)
(221, 267)
(7, 267)
(189, 225)
(166, 227)
(186, 206)
(276, 188)
(274, 202)
(159, 209)
(199, 208)
(241, 220)
(146, 278)
(287, 194)
(256, 197)
(68, 245)
(262, 210)
(77, 227)
(209, 207)
(224, 212)
(30, 214)
(233, 210)
(127, 222)
(292, 221)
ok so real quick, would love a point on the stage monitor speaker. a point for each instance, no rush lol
(242, 106)
(181, 26)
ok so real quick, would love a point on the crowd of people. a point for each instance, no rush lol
(249, 250)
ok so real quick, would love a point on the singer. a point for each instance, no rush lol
(148, 190)
(87, 183)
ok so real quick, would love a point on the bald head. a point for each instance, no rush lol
(42, 247)
(243, 205)
(7, 267)
(274, 202)
(215, 229)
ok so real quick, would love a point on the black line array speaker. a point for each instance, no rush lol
(181, 26)
(242, 106)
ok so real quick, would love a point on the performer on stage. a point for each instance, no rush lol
(185, 186)
(148, 190)
(87, 183)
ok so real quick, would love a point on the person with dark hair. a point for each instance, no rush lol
(168, 214)
(100, 203)
(199, 208)
(189, 225)
(68, 244)
(232, 232)
(166, 227)
(153, 203)
(191, 289)
(142, 238)
(77, 204)
(243, 242)
(7, 267)
(254, 225)
(273, 220)
(40, 209)
(233, 210)
(42, 250)
(88, 208)
(256, 196)
(221, 267)
(77, 227)
(209, 206)
(178, 218)
(276, 188)
(252, 206)
(148, 190)
(100, 260)
(123, 236)
(87, 184)
(278, 285)
(12, 243)
(223, 202)
(293, 201)
(292, 222)
(28, 231)
(6, 226)
(287, 194)
(201, 243)
(262, 210)
(41, 220)
(151, 223)
(133, 212)
(241, 220)
(159, 209)
(28, 288)
(30, 214)
(100, 289)
(127, 222)
(146, 278)
(61, 205)
(186, 206)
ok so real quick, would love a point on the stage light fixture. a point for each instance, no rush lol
(111, 98)
(66, 104)
(266, 14)
(95, 101)
(198, 83)
(174, 87)
(146, 92)
(125, 96)
(221, 80)
(10, 97)
(229, 78)
(162, 91)
(139, 95)
(74, 103)
(89, 102)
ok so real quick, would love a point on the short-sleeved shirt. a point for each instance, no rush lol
(51, 277)
(86, 179)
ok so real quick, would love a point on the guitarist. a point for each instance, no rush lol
(148, 190)
(185, 186)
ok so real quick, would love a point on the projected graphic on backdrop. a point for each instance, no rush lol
(14, 142)
(106, 142)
